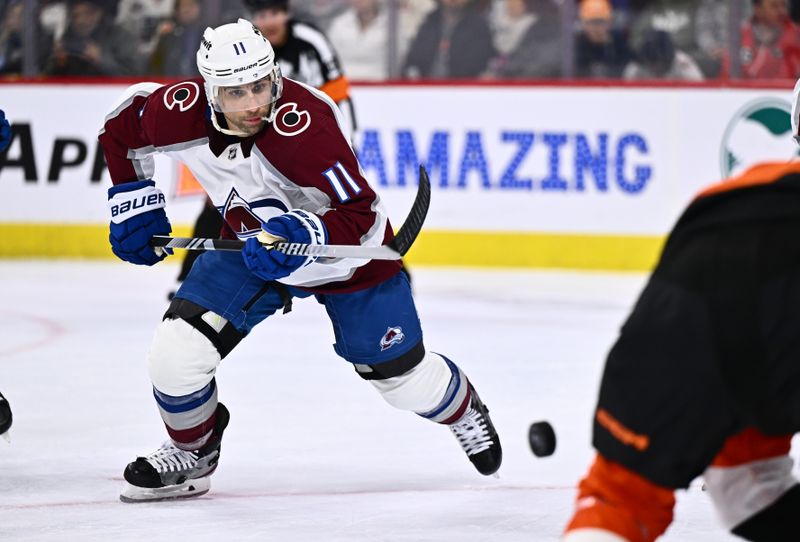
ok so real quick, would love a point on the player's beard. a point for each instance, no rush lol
(241, 121)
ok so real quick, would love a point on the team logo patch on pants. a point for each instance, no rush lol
(394, 335)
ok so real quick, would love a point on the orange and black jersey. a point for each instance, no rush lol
(307, 56)
(766, 191)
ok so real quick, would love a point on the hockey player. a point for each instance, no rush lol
(303, 54)
(704, 378)
(271, 154)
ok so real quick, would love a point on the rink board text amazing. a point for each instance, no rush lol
(567, 162)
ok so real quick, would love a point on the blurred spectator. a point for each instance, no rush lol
(657, 58)
(176, 50)
(770, 42)
(92, 44)
(600, 51)
(53, 17)
(712, 26)
(413, 12)
(528, 39)
(675, 17)
(360, 36)
(622, 14)
(320, 12)
(143, 18)
(454, 41)
(11, 40)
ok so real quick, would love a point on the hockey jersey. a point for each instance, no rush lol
(302, 160)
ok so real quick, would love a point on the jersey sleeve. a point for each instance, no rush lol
(126, 144)
(150, 118)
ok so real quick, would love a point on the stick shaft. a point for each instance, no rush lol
(396, 248)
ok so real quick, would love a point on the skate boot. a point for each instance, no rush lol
(477, 436)
(172, 473)
(5, 417)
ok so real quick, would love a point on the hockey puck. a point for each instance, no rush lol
(542, 439)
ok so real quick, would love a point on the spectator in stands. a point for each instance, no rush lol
(360, 36)
(176, 50)
(92, 44)
(600, 51)
(454, 41)
(320, 12)
(712, 25)
(770, 42)
(675, 17)
(53, 17)
(11, 40)
(622, 11)
(657, 58)
(530, 45)
(143, 19)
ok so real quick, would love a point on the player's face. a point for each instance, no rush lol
(245, 106)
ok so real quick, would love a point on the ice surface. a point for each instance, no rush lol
(312, 452)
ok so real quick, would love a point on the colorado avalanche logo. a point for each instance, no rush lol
(289, 121)
(394, 335)
(184, 95)
(239, 215)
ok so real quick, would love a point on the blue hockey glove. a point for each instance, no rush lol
(5, 132)
(137, 214)
(296, 226)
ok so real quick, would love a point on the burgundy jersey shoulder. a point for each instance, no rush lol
(303, 116)
(176, 113)
(305, 137)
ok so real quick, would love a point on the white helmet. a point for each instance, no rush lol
(237, 55)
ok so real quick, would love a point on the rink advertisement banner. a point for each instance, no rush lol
(523, 176)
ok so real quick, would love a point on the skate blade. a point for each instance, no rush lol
(186, 490)
(7, 436)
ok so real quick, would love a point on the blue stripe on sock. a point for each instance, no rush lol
(452, 391)
(184, 403)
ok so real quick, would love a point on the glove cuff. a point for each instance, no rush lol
(313, 225)
(131, 199)
(129, 187)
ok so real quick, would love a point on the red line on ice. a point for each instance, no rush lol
(52, 331)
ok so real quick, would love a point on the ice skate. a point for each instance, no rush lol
(172, 473)
(477, 436)
(5, 418)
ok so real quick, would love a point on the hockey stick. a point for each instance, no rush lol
(396, 248)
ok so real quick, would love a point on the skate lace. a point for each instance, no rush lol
(168, 458)
(471, 432)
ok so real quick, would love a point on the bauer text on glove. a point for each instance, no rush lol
(137, 214)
